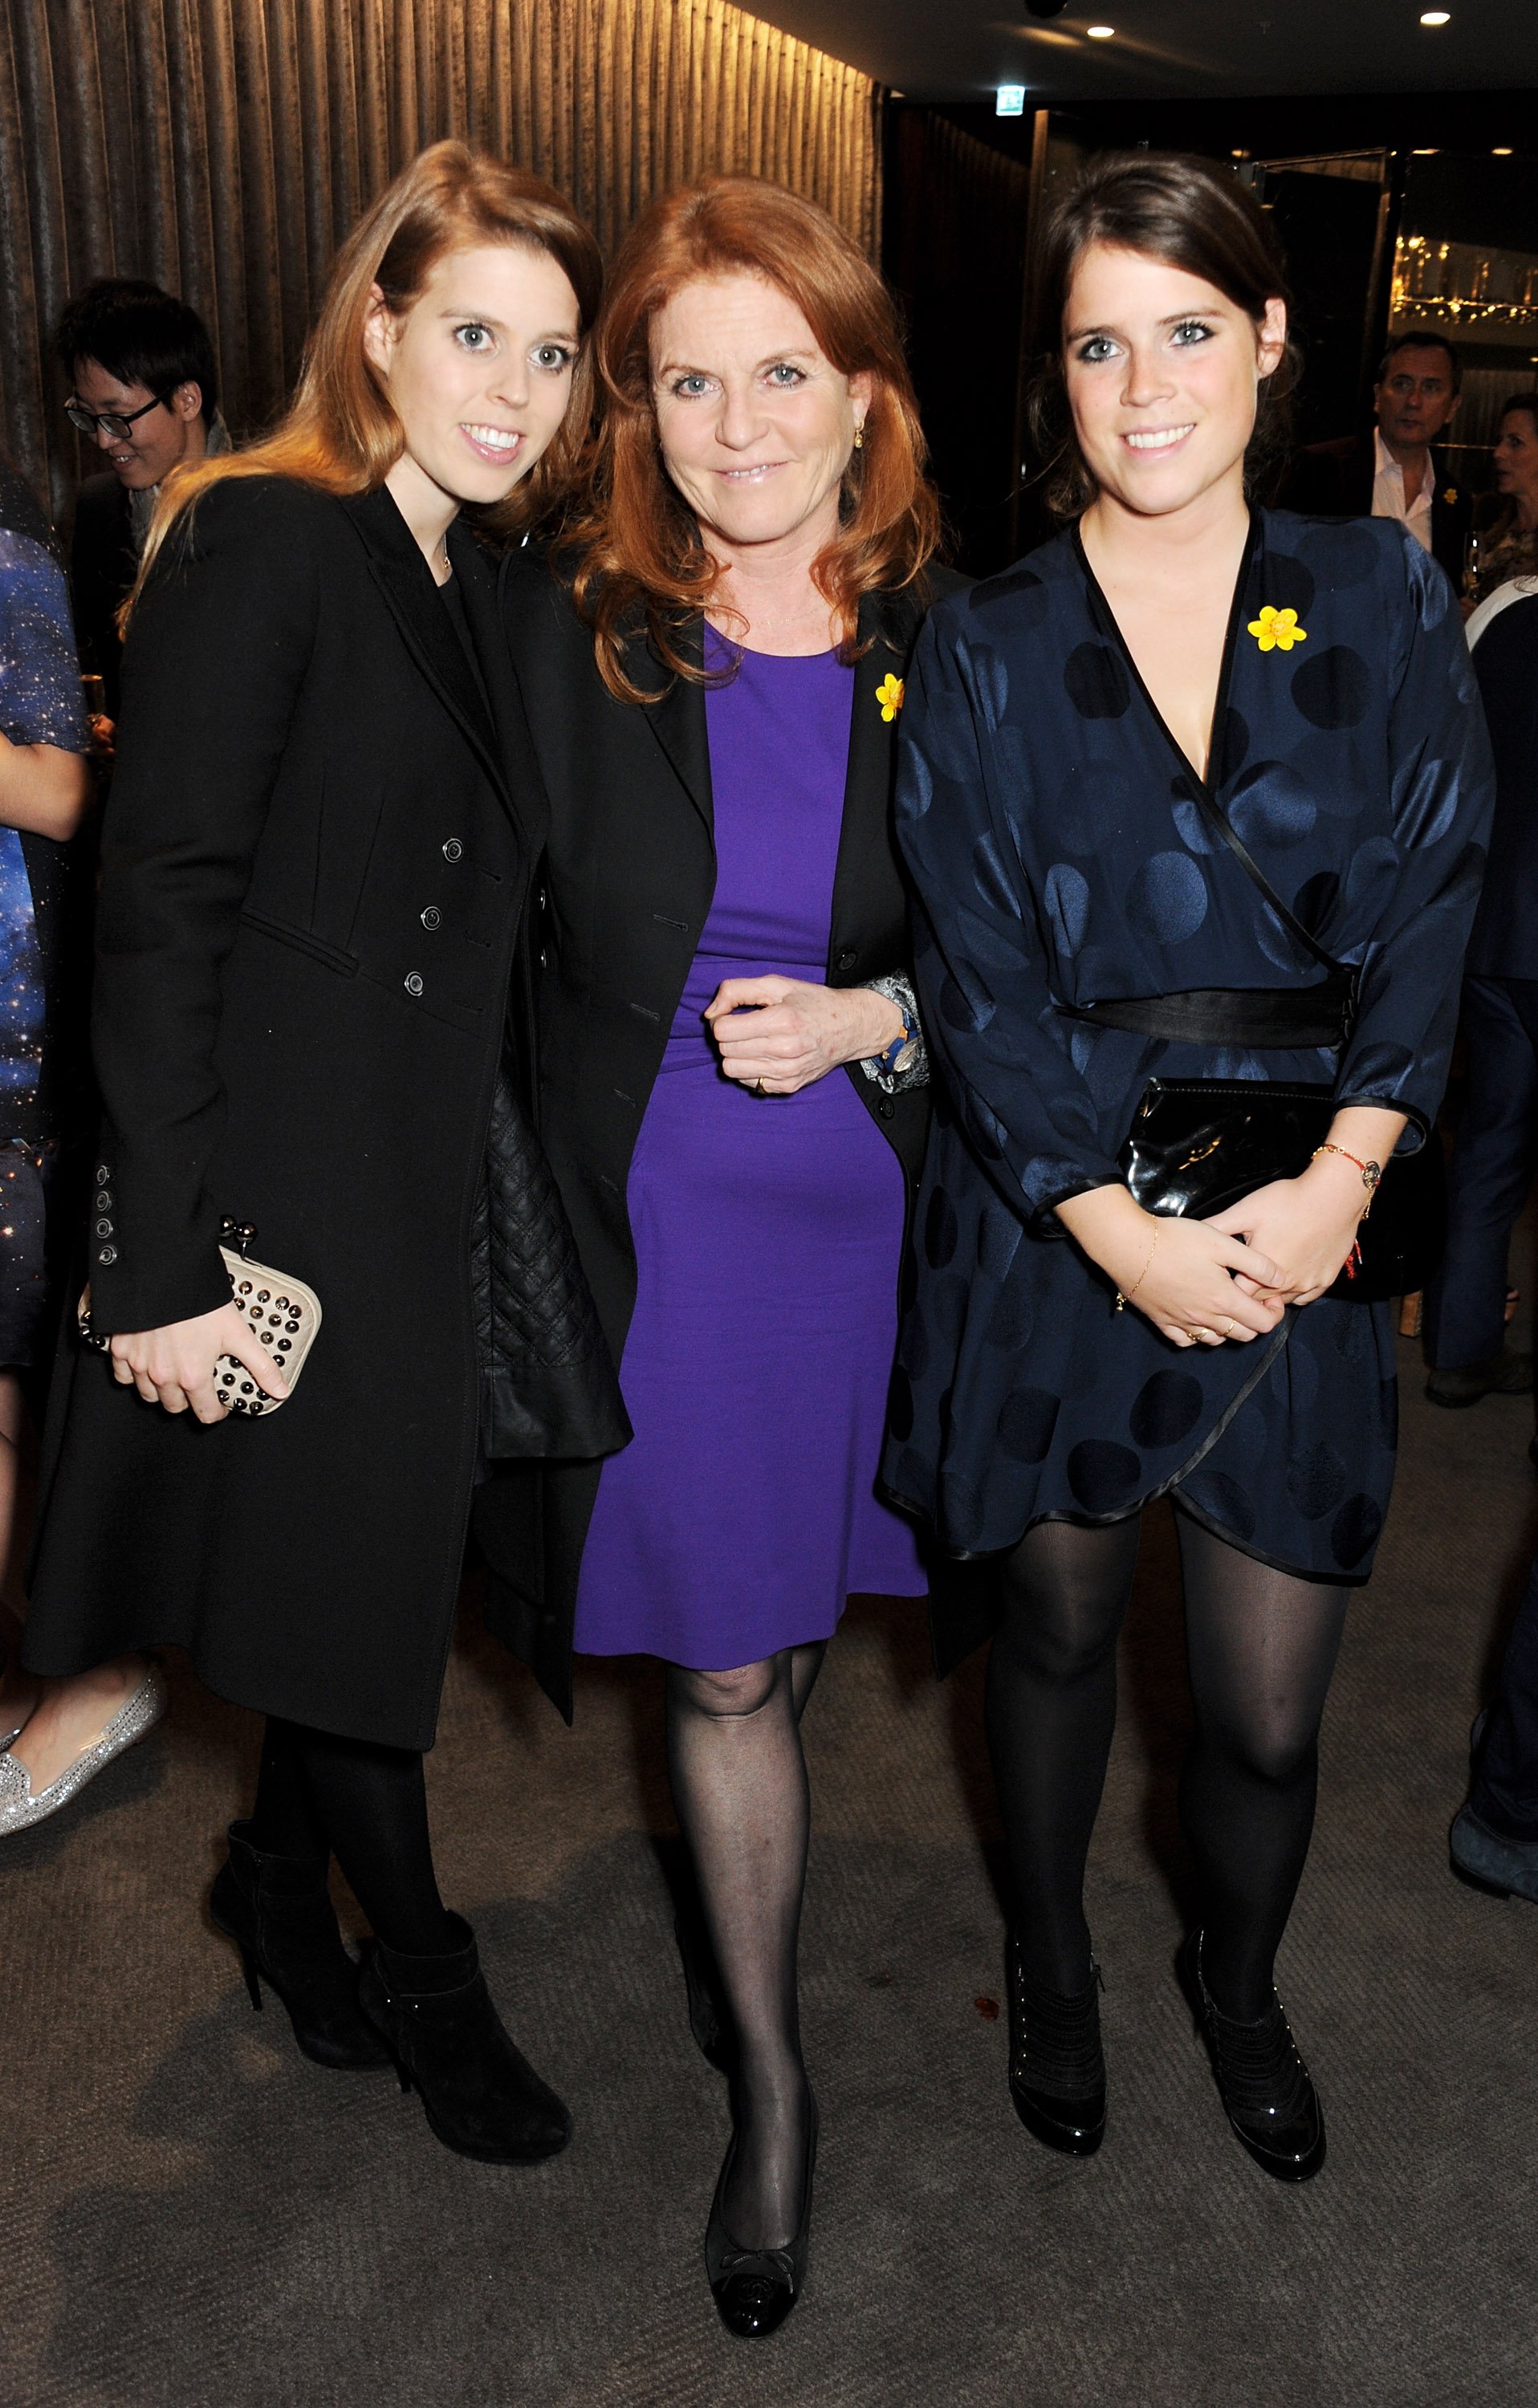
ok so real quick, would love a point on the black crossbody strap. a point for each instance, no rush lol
(1293, 925)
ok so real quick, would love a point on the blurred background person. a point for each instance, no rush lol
(57, 1733)
(1508, 543)
(1394, 469)
(144, 388)
(1496, 1150)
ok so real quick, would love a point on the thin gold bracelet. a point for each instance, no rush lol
(1123, 1301)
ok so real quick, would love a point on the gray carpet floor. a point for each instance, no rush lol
(192, 2216)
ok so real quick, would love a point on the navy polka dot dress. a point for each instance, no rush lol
(1061, 857)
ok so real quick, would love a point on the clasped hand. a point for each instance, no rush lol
(783, 1033)
(174, 1366)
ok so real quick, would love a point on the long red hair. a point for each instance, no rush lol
(634, 547)
(340, 431)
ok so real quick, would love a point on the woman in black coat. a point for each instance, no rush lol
(731, 1076)
(316, 859)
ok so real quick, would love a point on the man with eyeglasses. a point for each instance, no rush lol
(143, 389)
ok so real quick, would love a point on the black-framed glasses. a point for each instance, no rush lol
(118, 424)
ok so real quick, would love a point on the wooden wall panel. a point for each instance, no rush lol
(223, 147)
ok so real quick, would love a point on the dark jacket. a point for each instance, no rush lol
(1334, 480)
(103, 565)
(628, 881)
(1505, 943)
(315, 862)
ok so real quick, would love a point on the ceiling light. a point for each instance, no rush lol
(1099, 32)
(1436, 16)
(1502, 151)
(1423, 154)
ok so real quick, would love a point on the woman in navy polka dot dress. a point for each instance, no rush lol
(1059, 722)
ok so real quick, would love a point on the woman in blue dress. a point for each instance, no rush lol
(1070, 1355)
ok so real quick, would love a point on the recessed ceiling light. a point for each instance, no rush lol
(1099, 32)
(1502, 151)
(1436, 16)
(1423, 154)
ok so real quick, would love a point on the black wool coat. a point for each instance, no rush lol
(1505, 943)
(624, 890)
(103, 565)
(316, 856)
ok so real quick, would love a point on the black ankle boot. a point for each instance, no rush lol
(756, 2289)
(1265, 2087)
(1057, 2068)
(278, 1911)
(481, 2096)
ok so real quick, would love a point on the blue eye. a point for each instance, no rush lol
(463, 334)
(689, 388)
(786, 376)
(554, 356)
(1098, 348)
(1191, 330)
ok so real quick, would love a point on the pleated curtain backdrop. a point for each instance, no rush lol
(223, 148)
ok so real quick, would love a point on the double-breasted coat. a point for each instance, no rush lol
(627, 883)
(316, 858)
(1061, 859)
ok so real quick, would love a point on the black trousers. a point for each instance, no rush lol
(1504, 1792)
(1493, 1164)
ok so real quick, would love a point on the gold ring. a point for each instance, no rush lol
(1203, 1331)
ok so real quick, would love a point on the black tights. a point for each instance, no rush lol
(1261, 1646)
(739, 1787)
(319, 1795)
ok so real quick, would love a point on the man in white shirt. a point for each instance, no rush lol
(1392, 471)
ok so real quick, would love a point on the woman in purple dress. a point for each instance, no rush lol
(732, 1077)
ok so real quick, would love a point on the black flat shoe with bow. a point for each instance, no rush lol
(1266, 2088)
(1057, 2068)
(756, 2289)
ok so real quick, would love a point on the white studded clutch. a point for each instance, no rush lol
(285, 1315)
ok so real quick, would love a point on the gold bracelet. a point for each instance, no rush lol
(1122, 1301)
(1371, 1172)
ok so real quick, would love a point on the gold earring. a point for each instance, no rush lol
(859, 438)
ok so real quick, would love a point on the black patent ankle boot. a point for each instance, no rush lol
(1057, 2068)
(278, 1911)
(481, 2097)
(1266, 2088)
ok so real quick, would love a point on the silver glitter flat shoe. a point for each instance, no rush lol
(20, 1808)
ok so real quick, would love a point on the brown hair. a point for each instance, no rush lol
(340, 431)
(1523, 401)
(636, 544)
(1191, 215)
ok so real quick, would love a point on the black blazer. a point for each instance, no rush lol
(1334, 480)
(1505, 943)
(315, 859)
(627, 884)
(103, 565)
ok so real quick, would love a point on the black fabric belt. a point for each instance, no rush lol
(1288, 1016)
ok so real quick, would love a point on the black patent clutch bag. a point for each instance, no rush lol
(1197, 1145)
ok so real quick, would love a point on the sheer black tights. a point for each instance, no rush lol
(1262, 1647)
(319, 1795)
(739, 1788)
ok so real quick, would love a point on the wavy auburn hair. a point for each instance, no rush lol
(340, 431)
(635, 546)
(1189, 214)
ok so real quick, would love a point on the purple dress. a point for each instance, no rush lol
(767, 1234)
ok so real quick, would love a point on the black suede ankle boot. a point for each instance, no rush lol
(278, 1911)
(1057, 2068)
(481, 2096)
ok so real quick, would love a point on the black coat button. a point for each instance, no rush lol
(432, 916)
(106, 1254)
(103, 1172)
(104, 1228)
(848, 958)
(453, 850)
(414, 983)
(104, 1202)
(887, 1111)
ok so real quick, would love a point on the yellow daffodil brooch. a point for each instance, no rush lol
(1450, 496)
(889, 696)
(1277, 631)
